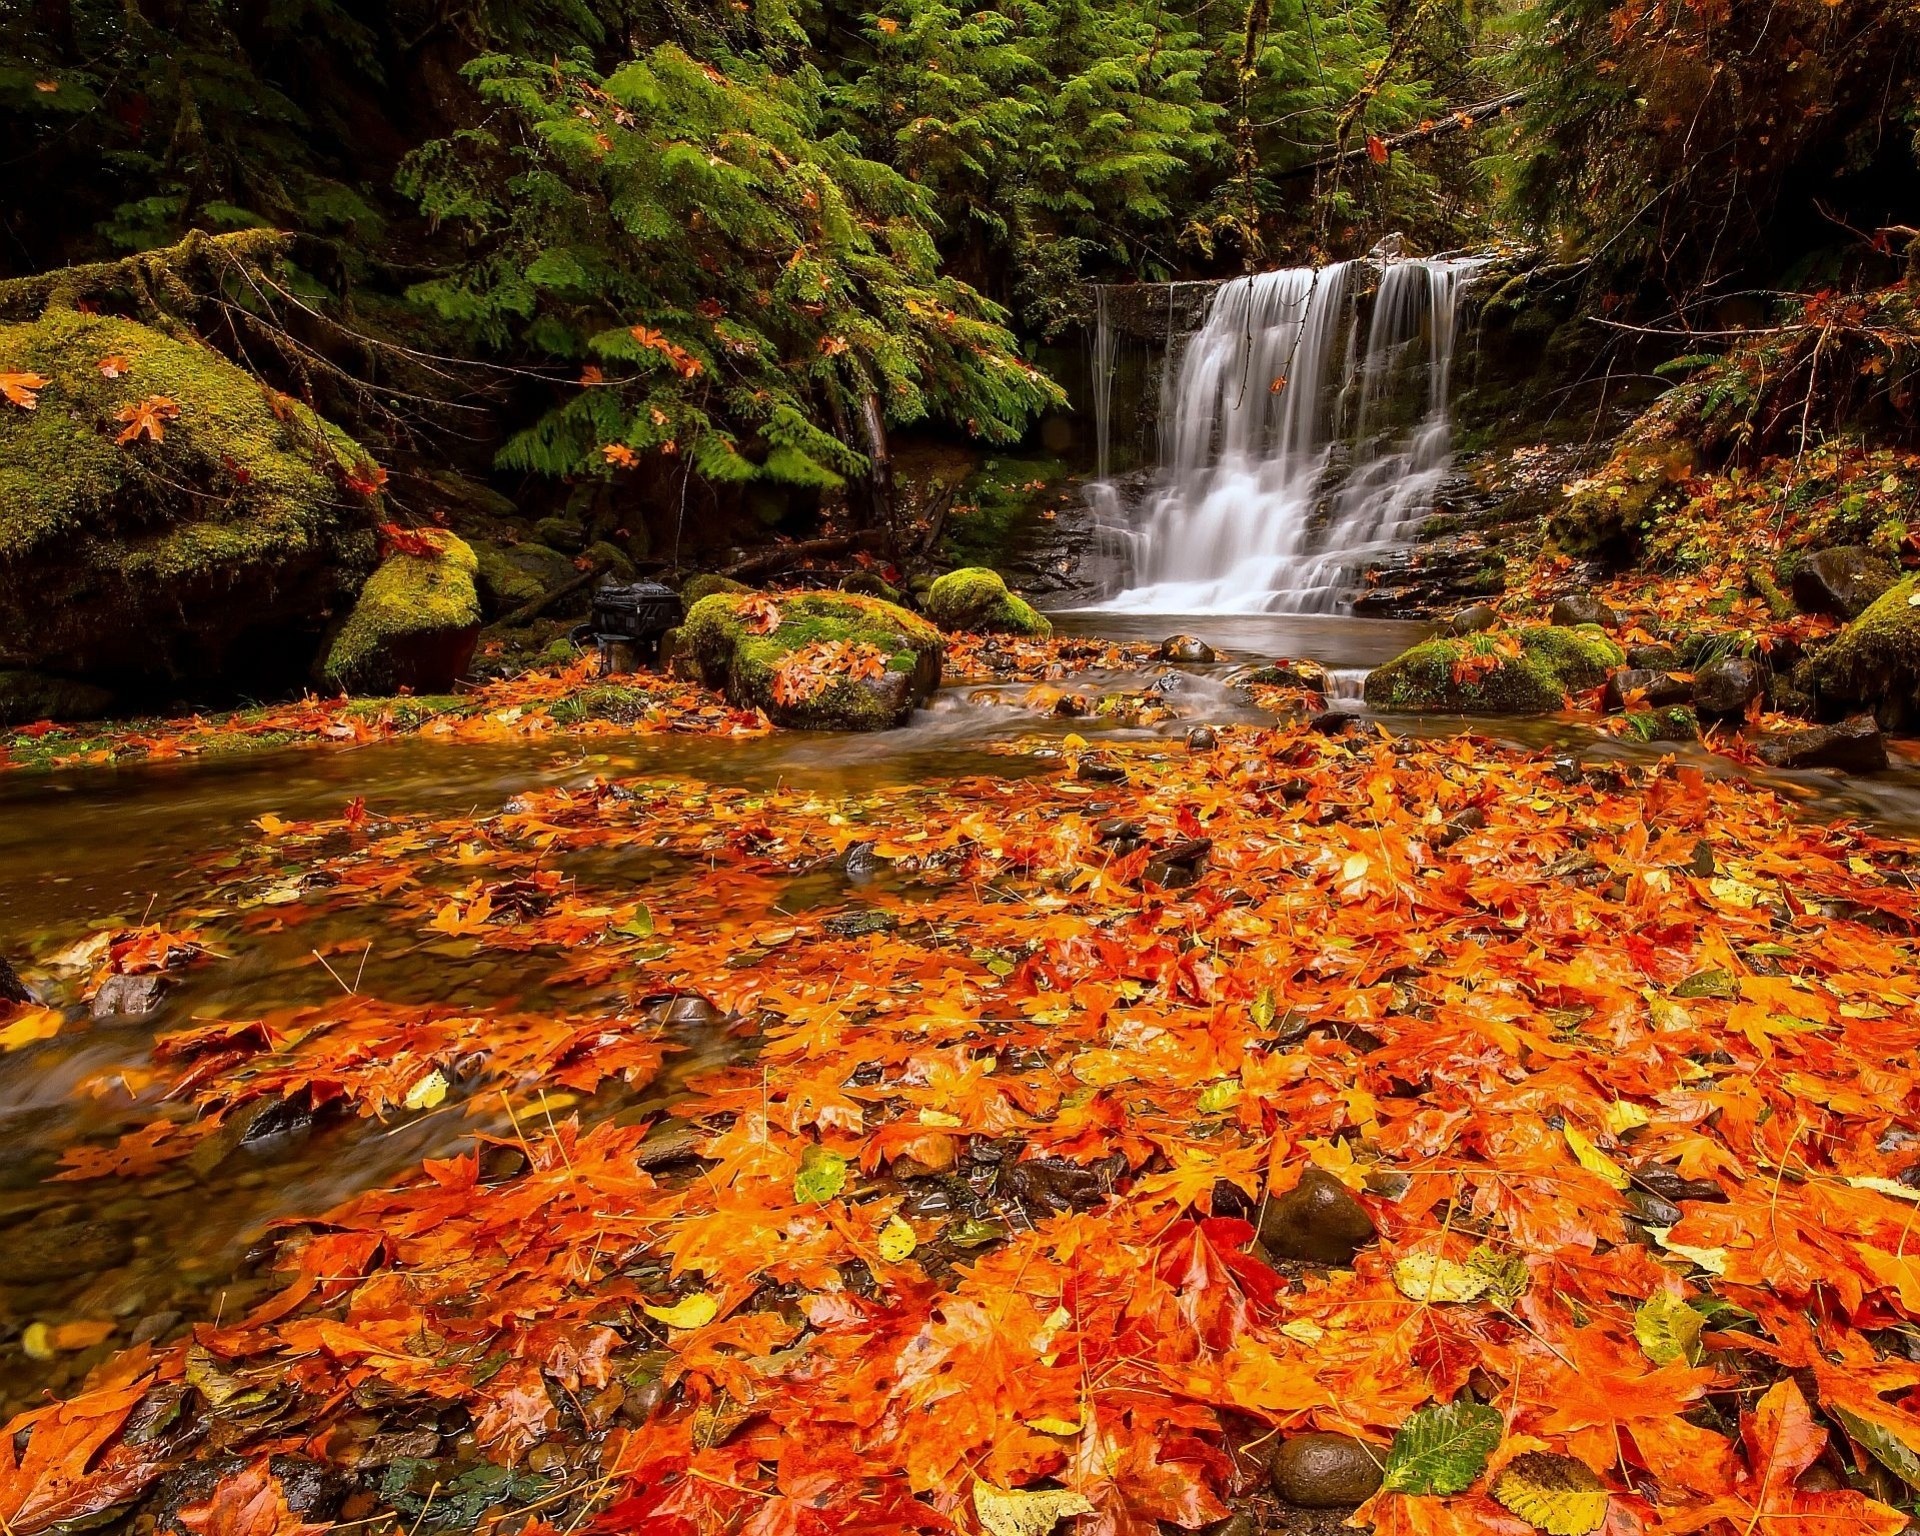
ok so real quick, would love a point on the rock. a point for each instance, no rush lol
(1657, 656)
(1477, 674)
(129, 996)
(1843, 582)
(32, 1254)
(610, 560)
(977, 600)
(148, 567)
(1875, 660)
(1286, 674)
(1318, 1221)
(26, 697)
(12, 988)
(706, 584)
(564, 533)
(1582, 608)
(1186, 650)
(414, 626)
(720, 646)
(870, 584)
(1202, 738)
(1073, 706)
(512, 575)
(1854, 746)
(1320, 1470)
(1723, 689)
(1098, 768)
(155, 1326)
(1677, 722)
(1178, 866)
(1657, 689)
(1474, 620)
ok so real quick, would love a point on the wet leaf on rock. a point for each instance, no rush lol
(822, 1175)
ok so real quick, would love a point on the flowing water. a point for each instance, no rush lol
(1293, 452)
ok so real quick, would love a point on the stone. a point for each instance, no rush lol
(1656, 689)
(155, 1326)
(31, 1254)
(512, 575)
(129, 996)
(1187, 650)
(1286, 674)
(1098, 768)
(976, 599)
(1473, 620)
(1875, 661)
(1582, 608)
(1073, 706)
(721, 645)
(1321, 1470)
(1202, 738)
(1675, 722)
(707, 583)
(1723, 689)
(26, 697)
(1488, 674)
(1176, 867)
(1843, 582)
(564, 533)
(1318, 1221)
(871, 584)
(1655, 656)
(12, 988)
(1853, 746)
(414, 626)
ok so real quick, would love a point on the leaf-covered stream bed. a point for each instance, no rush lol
(1000, 1123)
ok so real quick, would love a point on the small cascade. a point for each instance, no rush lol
(1106, 352)
(1291, 455)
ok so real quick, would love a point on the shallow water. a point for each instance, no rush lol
(87, 850)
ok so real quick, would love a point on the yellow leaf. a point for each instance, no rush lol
(1049, 1426)
(34, 1024)
(1622, 1117)
(1073, 742)
(37, 1341)
(1668, 1329)
(694, 1311)
(1025, 1512)
(428, 1092)
(1594, 1160)
(897, 1241)
(272, 825)
(1304, 1330)
(1555, 1494)
(1712, 1260)
(1430, 1277)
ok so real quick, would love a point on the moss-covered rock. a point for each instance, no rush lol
(512, 575)
(414, 626)
(976, 599)
(1875, 660)
(26, 697)
(706, 584)
(719, 644)
(1521, 672)
(216, 554)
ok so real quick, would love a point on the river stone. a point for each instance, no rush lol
(1202, 738)
(1723, 689)
(1185, 648)
(1288, 674)
(128, 996)
(1317, 1221)
(1325, 1471)
(1659, 688)
(12, 988)
(1471, 621)
(31, 1254)
(1578, 608)
(1854, 746)
(1843, 582)
(1654, 656)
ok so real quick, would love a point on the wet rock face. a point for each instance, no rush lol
(1843, 582)
(1657, 689)
(1853, 746)
(1325, 1471)
(1473, 620)
(1583, 608)
(1723, 689)
(1317, 1221)
(31, 1254)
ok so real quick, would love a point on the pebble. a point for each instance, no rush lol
(1185, 648)
(1317, 1221)
(1325, 1471)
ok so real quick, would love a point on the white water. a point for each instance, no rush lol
(1248, 513)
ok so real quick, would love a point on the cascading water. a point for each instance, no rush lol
(1269, 401)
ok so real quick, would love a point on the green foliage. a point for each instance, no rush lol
(734, 278)
(1441, 1450)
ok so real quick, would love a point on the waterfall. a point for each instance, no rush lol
(1105, 352)
(1289, 457)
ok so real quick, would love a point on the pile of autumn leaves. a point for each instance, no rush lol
(1622, 1071)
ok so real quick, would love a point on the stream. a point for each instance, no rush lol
(86, 850)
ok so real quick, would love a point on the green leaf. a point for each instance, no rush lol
(1668, 1329)
(1443, 1449)
(640, 925)
(822, 1175)
(1892, 1453)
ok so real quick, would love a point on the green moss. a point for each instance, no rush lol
(414, 625)
(1552, 662)
(175, 558)
(978, 600)
(1876, 659)
(27, 697)
(1675, 723)
(996, 505)
(706, 584)
(719, 647)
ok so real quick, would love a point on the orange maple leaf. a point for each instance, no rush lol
(113, 365)
(619, 455)
(147, 416)
(1376, 149)
(249, 1503)
(22, 389)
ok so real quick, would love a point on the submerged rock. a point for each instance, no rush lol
(1286, 674)
(1321, 1470)
(1854, 746)
(214, 555)
(1843, 582)
(977, 600)
(721, 644)
(414, 626)
(32, 1254)
(1519, 672)
(1723, 689)
(1318, 1221)
(129, 996)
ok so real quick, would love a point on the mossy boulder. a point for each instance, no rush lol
(414, 626)
(26, 697)
(512, 575)
(216, 555)
(706, 584)
(1518, 672)
(720, 644)
(977, 600)
(1875, 661)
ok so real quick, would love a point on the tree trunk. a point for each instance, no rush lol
(880, 477)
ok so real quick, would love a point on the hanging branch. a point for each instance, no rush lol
(1454, 122)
